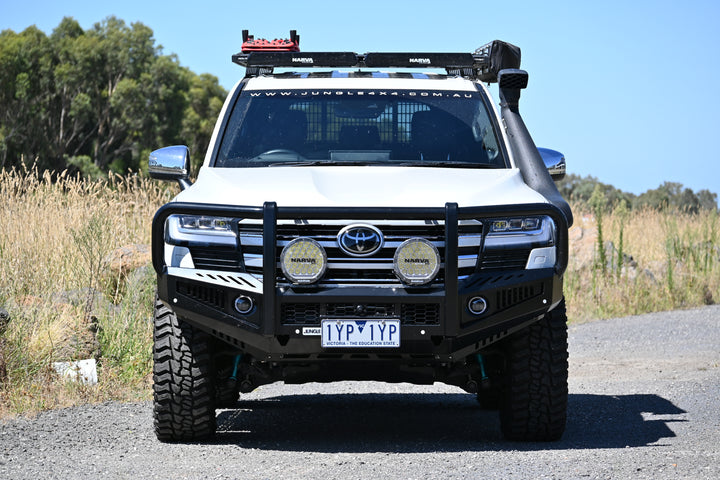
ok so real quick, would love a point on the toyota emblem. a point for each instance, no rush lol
(360, 240)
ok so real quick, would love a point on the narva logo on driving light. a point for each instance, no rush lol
(423, 261)
(422, 61)
(303, 260)
(303, 60)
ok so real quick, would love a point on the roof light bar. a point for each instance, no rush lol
(261, 56)
(296, 59)
(421, 60)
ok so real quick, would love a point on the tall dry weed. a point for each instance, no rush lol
(653, 261)
(56, 232)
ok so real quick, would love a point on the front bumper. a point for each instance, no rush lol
(515, 298)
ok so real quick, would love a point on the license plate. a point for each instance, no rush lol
(360, 333)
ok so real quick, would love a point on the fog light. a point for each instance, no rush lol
(416, 261)
(243, 304)
(303, 261)
(477, 305)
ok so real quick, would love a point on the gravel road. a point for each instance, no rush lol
(644, 403)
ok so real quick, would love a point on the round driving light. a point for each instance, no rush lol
(417, 261)
(303, 261)
(243, 304)
(477, 305)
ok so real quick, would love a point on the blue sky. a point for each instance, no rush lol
(629, 91)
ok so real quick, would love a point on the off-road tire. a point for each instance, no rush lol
(184, 403)
(535, 389)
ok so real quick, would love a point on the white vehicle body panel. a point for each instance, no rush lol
(360, 186)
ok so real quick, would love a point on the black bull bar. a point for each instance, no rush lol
(270, 213)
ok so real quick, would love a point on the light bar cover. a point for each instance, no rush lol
(419, 60)
(297, 59)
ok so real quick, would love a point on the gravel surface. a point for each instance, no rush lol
(643, 404)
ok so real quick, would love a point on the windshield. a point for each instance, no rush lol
(360, 127)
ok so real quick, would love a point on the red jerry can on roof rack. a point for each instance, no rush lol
(291, 44)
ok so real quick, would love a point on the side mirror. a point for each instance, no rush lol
(171, 163)
(554, 162)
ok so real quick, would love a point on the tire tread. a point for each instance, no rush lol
(536, 389)
(183, 393)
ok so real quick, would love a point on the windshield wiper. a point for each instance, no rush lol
(425, 163)
(323, 163)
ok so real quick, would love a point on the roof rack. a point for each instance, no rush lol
(261, 57)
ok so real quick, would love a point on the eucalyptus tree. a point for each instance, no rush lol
(98, 99)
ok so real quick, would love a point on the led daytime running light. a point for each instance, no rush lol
(193, 222)
(501, 225)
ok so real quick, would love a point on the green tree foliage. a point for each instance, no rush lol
(198, 121)
(581, 189)
(672, 194)
(668, 195)
(98, 99)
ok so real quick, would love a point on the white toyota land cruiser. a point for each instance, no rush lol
(363, 223)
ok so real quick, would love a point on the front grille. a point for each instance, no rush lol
(420, 314)
(300, 313)
(375, 270)
(208, 295)
(509, 297)
(344, 269)
(215, 258)
(340, 310)
(313, 313)
(515, 259)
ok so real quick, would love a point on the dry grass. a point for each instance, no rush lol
(675, 263)
(66, 303)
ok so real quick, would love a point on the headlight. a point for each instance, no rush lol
(199, 230)
(512, 225)
(208, 224)
(303, 261)
(417, 261)
(536, 234)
